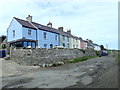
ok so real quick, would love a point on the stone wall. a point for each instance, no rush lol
(46, 56)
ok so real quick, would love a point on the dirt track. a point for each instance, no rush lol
(100, 72)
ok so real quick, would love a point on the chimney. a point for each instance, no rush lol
(49, 24)
(69, 31)
(60, 28)
(29, 18)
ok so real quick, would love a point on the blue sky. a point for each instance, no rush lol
(95, 20)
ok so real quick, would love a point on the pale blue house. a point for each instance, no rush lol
(24, 33)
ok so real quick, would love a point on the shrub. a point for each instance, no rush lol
(97, 53)
(4, 47)
(82, 50)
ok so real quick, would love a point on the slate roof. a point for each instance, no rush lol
(25, 23)
(96, 44)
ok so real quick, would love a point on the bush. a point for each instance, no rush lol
(97, 53)
(3, 47)
(82, 50)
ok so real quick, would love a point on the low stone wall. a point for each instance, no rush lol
(46, 56)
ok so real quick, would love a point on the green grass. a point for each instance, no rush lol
(117, 56)
(80, 59)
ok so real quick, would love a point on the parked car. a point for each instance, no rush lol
(103, 53)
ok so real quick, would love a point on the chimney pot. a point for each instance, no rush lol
(29, 18)
(69, 31)
(49, 24)
(60, 28)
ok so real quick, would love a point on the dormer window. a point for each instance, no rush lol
(29, 32)
(13, 33)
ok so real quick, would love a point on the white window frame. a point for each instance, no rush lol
(29, 32)
(68, 39)
(44, 35)
(56, 38)
(45, 45)
(64, 37)
(13, 33)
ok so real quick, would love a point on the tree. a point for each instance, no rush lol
(3, 37)
(102, 47)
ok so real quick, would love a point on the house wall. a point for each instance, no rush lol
(79, 44)
(85, 45)
(65, 41)
(96, 47)
(26, 35)
(82, 44)
(49, 40)
(75, 43)
(18, 31)
(22, 32)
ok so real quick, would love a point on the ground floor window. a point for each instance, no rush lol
(63, 44)
(26, 44)
(67, 45)
(45, 45)
(17, 44)
(29, 44)
(33, 45)
(73, 46)
(23, 44)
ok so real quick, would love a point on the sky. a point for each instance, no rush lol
(96, 20)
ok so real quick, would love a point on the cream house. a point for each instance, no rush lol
(75, 42)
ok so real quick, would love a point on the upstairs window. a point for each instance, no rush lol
(29, 32)
(44, 35)
(73, 39)
(45, 45)
(56, 37)
(13, 33)
(63, 37)
(68, 39)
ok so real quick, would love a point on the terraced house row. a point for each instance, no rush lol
(24, 33)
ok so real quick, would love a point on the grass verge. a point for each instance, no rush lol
(80, 59)
(117, 56)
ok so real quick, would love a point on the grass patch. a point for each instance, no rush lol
(80, 59)
(117, 56)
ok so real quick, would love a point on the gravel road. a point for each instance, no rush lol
(100, 72)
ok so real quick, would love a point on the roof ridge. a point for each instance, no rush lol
(34, 26)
